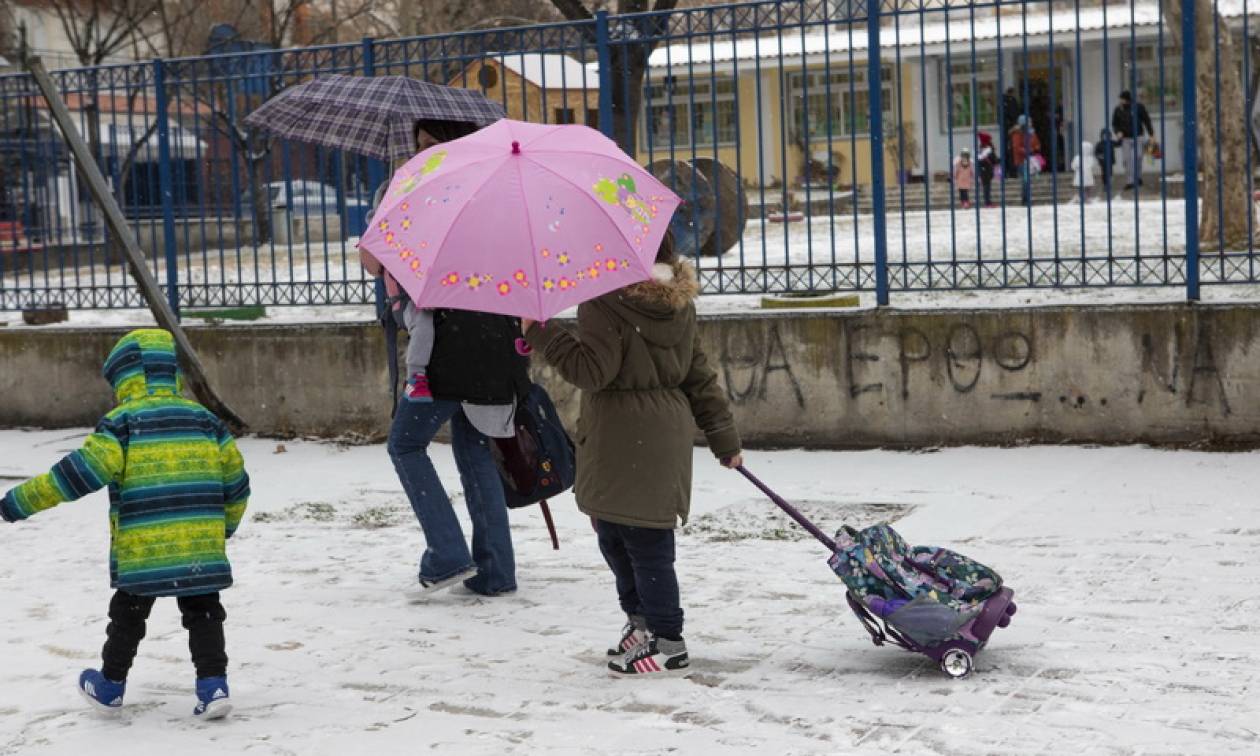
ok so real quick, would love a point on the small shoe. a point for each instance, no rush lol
(101, 692)
(212, 698)
(472, 587)
(426, 587)
(655, 656)
(418, 389)
(633, 635)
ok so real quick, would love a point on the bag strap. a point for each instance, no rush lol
(867, 619)
(385, 316)
(551, 525)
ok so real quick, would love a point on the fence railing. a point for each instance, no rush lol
(818, 145)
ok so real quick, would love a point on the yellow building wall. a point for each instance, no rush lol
(524, 100)
(847, 147)
(743, 157)
(751, 165)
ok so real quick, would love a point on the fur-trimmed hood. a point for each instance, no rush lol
(660, 308)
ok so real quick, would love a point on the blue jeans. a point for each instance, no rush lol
(446, 552)
(642, 561)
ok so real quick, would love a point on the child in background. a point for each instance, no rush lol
(986, 164)
(646, 384)
(177, 491)
(1083, 166)
(964, 178)
(1105, 153)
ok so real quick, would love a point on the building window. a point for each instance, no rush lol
(686, 113)
(836, 105)
(592, 117)
(564, 115)
(1144, 60)
(970, 94)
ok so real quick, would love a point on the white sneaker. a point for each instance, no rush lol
(656, 656)
(423, 589)
(633, 635)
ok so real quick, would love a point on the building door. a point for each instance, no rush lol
(1048, 92)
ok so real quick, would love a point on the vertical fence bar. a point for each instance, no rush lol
(876, 93)
(164, 179)
(1189, 117)
(375, 171)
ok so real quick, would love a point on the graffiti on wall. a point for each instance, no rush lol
(875, 363)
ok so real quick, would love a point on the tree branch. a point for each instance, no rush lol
(573, 10)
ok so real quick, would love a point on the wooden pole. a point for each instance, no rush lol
(193, 371)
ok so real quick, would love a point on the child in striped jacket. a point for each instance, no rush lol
(177, 490)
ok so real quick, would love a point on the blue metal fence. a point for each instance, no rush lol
(817, 144)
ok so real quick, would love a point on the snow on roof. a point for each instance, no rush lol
(914, 32)
(553, 70)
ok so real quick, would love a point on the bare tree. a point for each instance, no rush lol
(632, 45)
(8, 33)
(417, 17)
(1223, 221)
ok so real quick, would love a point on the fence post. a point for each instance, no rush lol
(604, 57)
(1190, 158)
(376, 169)
(166, 186)
(375, 176)
(875, 85)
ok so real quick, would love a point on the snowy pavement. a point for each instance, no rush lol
(1134, 570)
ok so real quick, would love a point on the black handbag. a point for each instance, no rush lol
(539, 462)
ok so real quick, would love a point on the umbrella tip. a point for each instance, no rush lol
(516, 148)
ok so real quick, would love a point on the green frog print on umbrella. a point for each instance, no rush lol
(432, 164)
(624, 193)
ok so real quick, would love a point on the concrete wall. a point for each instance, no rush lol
(1163, 374)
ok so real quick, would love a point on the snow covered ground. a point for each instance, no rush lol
(1134, 570)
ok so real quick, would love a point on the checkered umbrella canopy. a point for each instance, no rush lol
(369, 116)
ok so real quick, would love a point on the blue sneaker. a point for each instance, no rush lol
(212, 698)
(104, 694)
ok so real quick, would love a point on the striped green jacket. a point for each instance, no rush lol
(177, 484)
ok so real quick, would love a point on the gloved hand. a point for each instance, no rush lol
(8, 507)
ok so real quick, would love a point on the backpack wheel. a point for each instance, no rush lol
(956, 663)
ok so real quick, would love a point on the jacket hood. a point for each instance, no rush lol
(143, 363)
(1087, 150)
(652, 306)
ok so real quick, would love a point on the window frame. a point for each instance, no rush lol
(1172, 57)
(676, 95)
(841, 94)
(972, 80)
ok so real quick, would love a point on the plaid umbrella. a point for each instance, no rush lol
(369, 116)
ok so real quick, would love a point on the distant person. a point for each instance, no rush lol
(1024, 145)
(177, 492)
(1105, 154)
(986, 165)
(1083, 167)
(1012, 111)
(964, 178)
(1132, 127)
(1060, 141)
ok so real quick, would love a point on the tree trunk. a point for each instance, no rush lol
(262, 201)
(1223, 220)
(629, 66)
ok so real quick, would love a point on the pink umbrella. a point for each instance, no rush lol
(520, 219)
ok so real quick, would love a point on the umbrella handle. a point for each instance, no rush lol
(791, 511)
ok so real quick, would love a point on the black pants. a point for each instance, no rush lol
(202, 617)
(964, 195)
(987, 183)
(642, 560)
